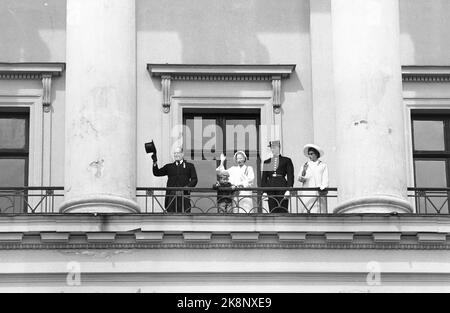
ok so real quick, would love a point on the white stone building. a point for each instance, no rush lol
(85, 83)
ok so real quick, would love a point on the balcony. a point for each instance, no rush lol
(205, 201)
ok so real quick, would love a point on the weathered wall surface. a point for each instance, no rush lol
(32, 31)
(424, 25)
(215, 270)
(237, 32)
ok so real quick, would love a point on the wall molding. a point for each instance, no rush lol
(221, 72)
(37, 232)
(236, 245)
(426, 74)
(32, 99)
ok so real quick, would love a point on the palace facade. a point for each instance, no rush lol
(84, 84)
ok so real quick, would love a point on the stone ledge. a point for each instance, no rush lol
(432, 237)
(339, 237)
(245, 237)
(54, 237)
(11, 237)
(101, 237)
(291, 237)
(387, 237)
(149, 236)
(311, 223)
(197, 237)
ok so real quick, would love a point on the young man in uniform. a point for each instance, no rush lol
(278, 171)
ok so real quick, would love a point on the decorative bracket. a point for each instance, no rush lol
(47, 95)
(276, 94)
(34, 71)
(166, 82)
(222, 72)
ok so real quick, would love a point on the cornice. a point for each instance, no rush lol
(273, 73)
(34, 71)
(86, 231)
(427, 74)
(30, 70)
(204, 245)
(337, 223)
(221, 71)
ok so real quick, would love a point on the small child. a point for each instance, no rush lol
(224, 196)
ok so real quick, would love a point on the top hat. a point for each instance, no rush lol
(274, 143)
(150, 147)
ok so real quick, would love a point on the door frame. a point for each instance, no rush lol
(235, 113)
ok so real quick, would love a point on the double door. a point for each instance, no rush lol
(209, 133)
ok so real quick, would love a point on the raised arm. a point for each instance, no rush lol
(159, 171)
(221, 167)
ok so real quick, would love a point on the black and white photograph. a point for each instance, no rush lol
(224, 152)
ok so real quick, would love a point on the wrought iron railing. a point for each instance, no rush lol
(42, 200)
(29, 200)
(235, 201)
(430, 200)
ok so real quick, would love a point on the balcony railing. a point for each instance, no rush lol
(20, 200)
(430, 200)
(47, 200)
(230, 201)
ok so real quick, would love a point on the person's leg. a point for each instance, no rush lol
(272, 201)
(285, 204)
(281, 203)
(246, 202)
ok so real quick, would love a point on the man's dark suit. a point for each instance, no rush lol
(182, 175)
(278, 172)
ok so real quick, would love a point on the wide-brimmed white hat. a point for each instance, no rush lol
(240, 152)
(316, 147)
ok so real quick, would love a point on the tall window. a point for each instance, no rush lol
(14, 152)
(431, 144)
(209, 133)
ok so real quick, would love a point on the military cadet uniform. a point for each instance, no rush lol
(278, 172)
(180, 174)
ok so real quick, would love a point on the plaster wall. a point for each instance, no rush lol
(424, 28)
(217, 270)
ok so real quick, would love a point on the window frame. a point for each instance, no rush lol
(222, 115)
(23, 113)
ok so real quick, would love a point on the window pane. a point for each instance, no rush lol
(204, 137)
(429, 135)
(431, 174)
(12, 172)
(242, 135)
(12, 133)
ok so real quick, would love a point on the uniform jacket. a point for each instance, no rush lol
(285, 169)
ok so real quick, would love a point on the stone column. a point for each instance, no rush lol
(100, 169)
(369, 114)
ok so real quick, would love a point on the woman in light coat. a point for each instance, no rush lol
(314, 174)
(243, 176)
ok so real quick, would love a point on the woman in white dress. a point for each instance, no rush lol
(314, 174)
(241, 175)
